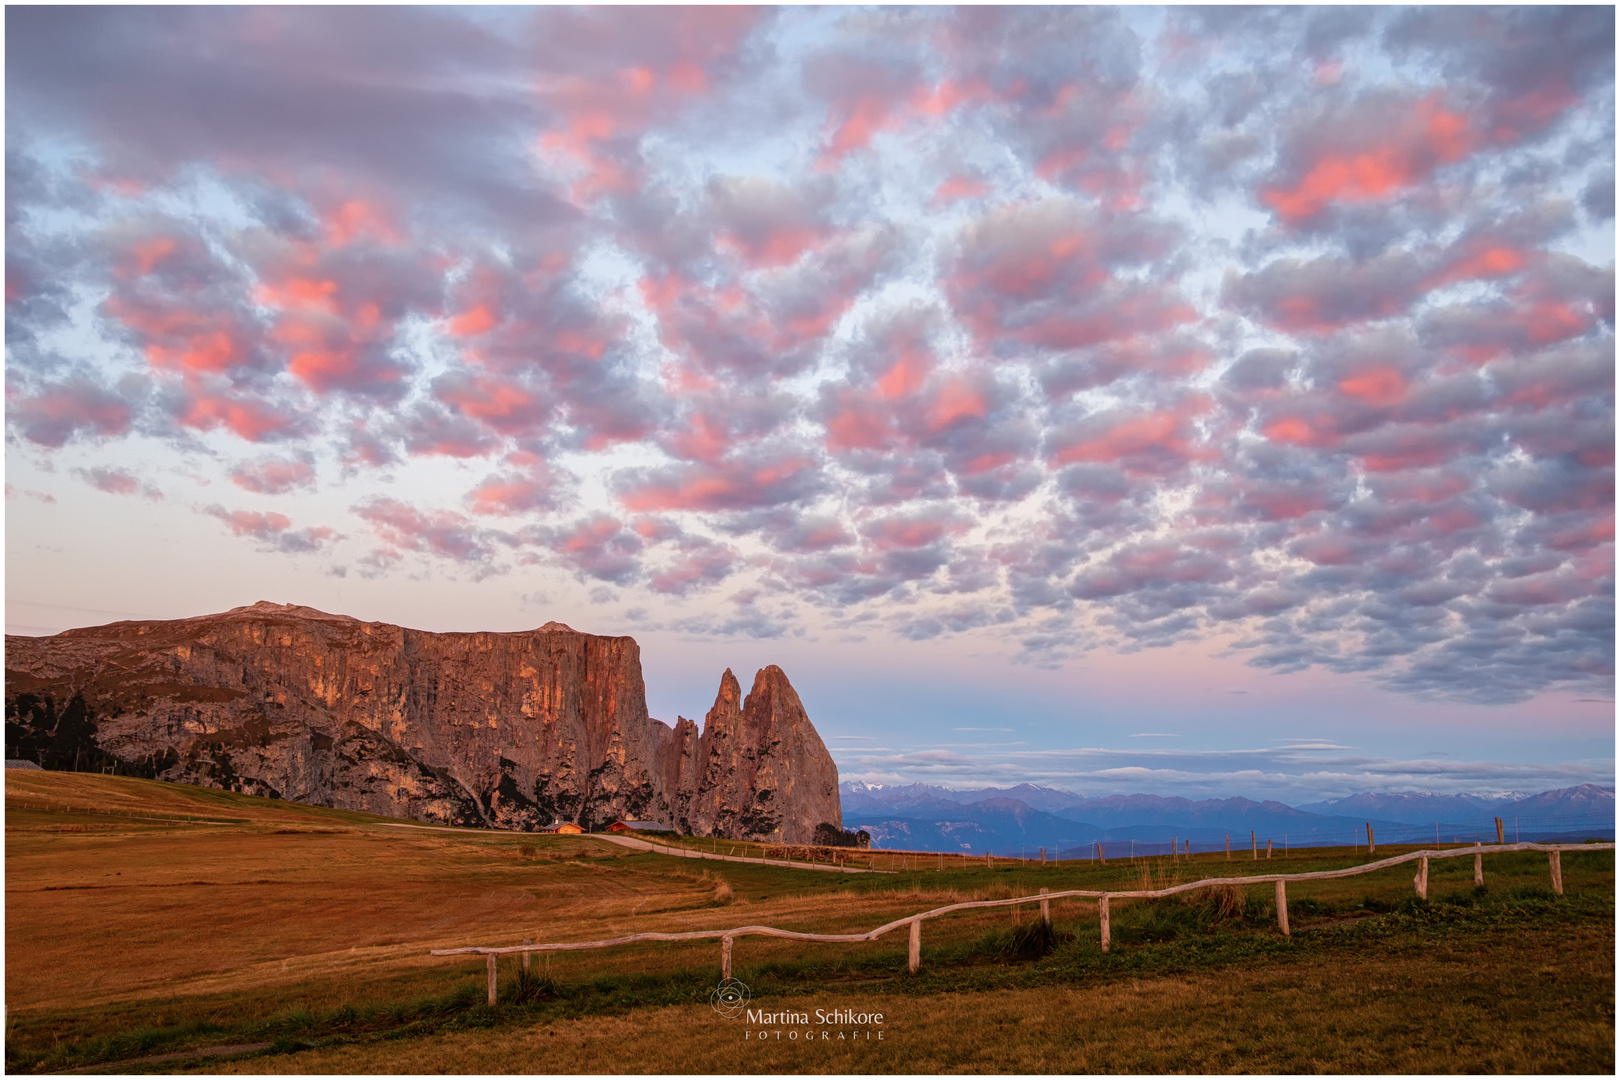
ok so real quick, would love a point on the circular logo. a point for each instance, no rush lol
(729, 998)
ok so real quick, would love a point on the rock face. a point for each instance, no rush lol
(766, 772)
(507, 730)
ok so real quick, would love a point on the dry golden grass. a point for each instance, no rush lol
(125, 911)
(293, 896)
(133, 904)
(1456, 1010)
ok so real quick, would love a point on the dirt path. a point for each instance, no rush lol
(644, 845)
(688, 853)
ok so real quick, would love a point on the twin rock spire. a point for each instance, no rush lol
(757, 771)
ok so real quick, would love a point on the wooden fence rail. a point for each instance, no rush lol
(1044, 898)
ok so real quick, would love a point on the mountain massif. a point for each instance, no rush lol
(1007, 821)
(509, 730)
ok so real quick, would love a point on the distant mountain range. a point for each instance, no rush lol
(1023, 819)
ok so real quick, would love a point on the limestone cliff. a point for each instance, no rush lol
(512, 730)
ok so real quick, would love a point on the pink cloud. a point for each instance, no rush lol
(1370, 156)
(245, 417)
(768, 224)
(501, 404)
(911, 530)
(737, 485)
(1046, 275)
(333, 319)
(1152, 443)
(438, 532)
(533, 487)
(55, 414)
(700, 564)
(184, 340)
(273, 476)
(959, 187)
(273, 529)
(609, 80)
(248, 523)
(599, 547)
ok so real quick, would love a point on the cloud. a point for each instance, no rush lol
(1063, 328)
(272, 530)
(1289, 774)
(1368, 151)
(598, 547)
(274, 475)
(768, 479)
(1049, 275)
(117, 481)
(443, 533)
(52, 415)
(533, 487)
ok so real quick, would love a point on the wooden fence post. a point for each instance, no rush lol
(1101, 858)
(1228, 847)
(1102, 911)
(1173, 851)
(1371, 847)
(1499, 838)
(1479, 867)
(1268, 849)
(725, 957)
(916, 945)
(1254, 848)
(1556, 866)
(1282, 907)
(1421, 881)
(489, 961)
(1046, 908)
(526, 956)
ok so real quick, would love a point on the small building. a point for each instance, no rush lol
(563, 828)
(639, 826)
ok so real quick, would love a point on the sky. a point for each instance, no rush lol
(1203, 401)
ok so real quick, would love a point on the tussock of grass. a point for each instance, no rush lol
(1026, 941)
(531, 987)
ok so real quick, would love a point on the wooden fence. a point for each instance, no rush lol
(1045, 897)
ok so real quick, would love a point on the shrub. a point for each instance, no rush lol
(830, 835)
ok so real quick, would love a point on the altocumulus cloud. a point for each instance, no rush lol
(1072, 328)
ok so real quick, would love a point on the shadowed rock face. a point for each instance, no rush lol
(510, 730)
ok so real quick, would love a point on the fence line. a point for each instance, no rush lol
(1204, 841)
(1044, 898)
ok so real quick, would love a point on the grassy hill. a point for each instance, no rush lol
(147, 919)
